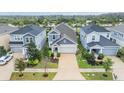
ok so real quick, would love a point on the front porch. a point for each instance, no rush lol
(96, 50)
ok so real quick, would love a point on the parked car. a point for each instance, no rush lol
(6, 58)
(2, 61)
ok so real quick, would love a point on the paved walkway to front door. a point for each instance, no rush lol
(68, 68)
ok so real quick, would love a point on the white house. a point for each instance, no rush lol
(97, 39)
(31, 33)
(62, 39)
(117, 34)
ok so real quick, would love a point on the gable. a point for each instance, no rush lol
(53, 32)
(64, 41)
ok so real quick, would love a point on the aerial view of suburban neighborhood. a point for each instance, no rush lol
(68, 46)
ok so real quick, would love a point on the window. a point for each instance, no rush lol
(53, 36)
(27, 40)
(108, 35)
(31, 40)
(93, 37)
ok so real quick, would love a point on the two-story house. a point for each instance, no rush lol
(62, 39)
(97, 39)
(117, 34)
(31, 33)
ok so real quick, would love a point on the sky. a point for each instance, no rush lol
(50, 13)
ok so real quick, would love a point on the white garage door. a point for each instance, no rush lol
(110, 51)
(16, 50)
(67, 49)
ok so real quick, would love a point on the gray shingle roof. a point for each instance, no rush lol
(32, 29)
(103, 42)
(92, 27)
(65, 29)
(119, 28)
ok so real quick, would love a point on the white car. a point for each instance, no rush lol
(8, 57)
(2, 61)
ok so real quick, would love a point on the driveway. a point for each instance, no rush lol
(6, 70)
(4, 40)
(118, 67)
(68, 68)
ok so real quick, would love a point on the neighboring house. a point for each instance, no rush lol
(62, 39)
(97, 39)
(117, 34)
(31, 33)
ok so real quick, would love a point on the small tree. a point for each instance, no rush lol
(90, 58)
(33, 52)
(20, 65)
(107, 64)
(2, 51)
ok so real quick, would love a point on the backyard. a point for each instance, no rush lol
(32, 76)
(97, 75)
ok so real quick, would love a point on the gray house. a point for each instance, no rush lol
(117, 34)
(31, 33)
(97, 39)
(62, 39)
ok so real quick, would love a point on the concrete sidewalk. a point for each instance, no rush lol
(92, 70)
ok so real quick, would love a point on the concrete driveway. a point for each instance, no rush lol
(118, 67)
(6, 70)
(68, 68)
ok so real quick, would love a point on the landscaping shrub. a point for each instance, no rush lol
(58, 54)
(120, 54)
(33, 62)
(90, 58)
(45, 75)
(2, 51)
(100, 56)
(52, 55)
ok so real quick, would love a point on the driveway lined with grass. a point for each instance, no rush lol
(68, 68)
(118, 67)
(7, 69)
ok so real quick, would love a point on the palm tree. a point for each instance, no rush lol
(20, 65)
(107, 64)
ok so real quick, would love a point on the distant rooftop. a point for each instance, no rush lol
(93, 27)
(4, 28)
(119, 28)
(32, 29)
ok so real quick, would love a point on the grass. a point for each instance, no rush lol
(49, 65)
(83, 63)
(97, 75)
(30, 76)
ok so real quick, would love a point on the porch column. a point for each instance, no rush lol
(90, 50)
(101, 50)
(52, 48)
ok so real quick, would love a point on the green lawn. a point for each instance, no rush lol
(30, 76)
(49, 65)
(97, 75)
(83, 63)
